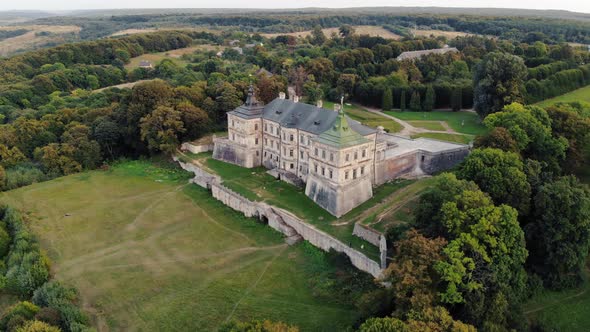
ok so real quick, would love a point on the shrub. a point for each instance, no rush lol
(17, 314)
(56, 296)
(37, 326)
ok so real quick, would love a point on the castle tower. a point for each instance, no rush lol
(244, 142)
(340, 168)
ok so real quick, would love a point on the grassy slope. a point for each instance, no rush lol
(148, 252)
(174, 55)
(582, 94)
(472, 124)
(463, 139)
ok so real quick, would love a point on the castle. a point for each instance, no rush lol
(338, 159)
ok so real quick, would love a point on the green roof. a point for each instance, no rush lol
(341, 135)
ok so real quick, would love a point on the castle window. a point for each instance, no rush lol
(362, 170)
(301, 154)
(291, 137)
(323, 171)
(422, 158)
(266, 141)
(331, 173)
(283, 165)
(331, 157)
(315, 152)
(256, 141)
(315, 168)
(233, 137)
(266, 127)
(347, 157)
(364, 153)
(354, 173)
(290, 153)
(301, 138)
(233, 123)
(292, 165)
(277, 158)
(265, 153)
(346, 175)
(257, 154)
(356, 155)
(256, 126)
(323, 154)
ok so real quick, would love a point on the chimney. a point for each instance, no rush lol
(281, 95)
(336, 107)
(295, 98)
(320, 103)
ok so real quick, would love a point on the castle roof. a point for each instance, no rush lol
(297, 115)
(341, 134)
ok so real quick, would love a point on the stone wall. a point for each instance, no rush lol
(232, 152)
(194, 148)
(436, 162)
(281, 220)
(368, 234)
(389, 169)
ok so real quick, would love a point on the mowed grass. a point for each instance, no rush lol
(455, 138)
(367, 118)
(371, 30)
(430, 125)
(462, 122)
(580, 95)
(149, 252)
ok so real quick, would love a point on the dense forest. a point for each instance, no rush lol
(484, 238)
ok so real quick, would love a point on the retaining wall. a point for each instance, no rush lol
(282, 220)
(194, 148)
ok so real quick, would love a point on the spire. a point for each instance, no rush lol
(251, 100)
(341, 135)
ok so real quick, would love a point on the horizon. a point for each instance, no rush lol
(61, 6)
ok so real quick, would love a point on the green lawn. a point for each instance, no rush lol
(582, 94)
(367, 118)
(462, 122)
(149, 252)
(430, 125)
(456, 138)
(562, 311)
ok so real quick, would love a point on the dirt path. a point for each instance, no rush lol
(557, 303)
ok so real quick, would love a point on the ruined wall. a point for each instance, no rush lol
(389, 169)
(232, 152)
(368, 234)
(281, 220)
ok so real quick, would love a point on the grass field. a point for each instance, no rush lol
(562, 311)
(38, 36)
(367, 118)
(174, 55)
(582, 94)
(437, 33)
(462, 122)
(456, 138)
(430, 125)
(150, 253)
(371, 30)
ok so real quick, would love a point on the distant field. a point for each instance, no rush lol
(127, 32)
(38, 36)
(582, 94)
(436, 33)
(174, 55)
(367, 118)
(462, 122)
(371, 30)
(150, 253)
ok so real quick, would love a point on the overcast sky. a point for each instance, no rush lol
(572, 5)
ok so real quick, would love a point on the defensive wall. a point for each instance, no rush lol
(288, 224)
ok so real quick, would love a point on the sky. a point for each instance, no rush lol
(572, 5)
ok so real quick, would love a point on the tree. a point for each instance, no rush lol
(411, 272)
(498, 81)
(559, 234)
(195, 120)
(429, 99)
(501, 175)
(269, 87)
(10, 157)
(317, 36)
(58, 159)
(415, 103)
(572, 121)
(2, 178)
(435, 319)
(457, 99)
(257, 326)
(161, 129)
(387, 103)
(346, 30)
(497, 138)
(37, 326)
(312, 91)
(402, 100)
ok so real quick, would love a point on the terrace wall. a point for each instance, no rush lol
(283, 221)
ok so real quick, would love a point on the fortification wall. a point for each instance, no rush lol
(232, 152)
(436, 162)
(392, 168)
(195, 148)
(281, 220)
(368, 234)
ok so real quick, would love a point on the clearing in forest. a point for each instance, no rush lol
(371, 30)
(37, 36)
(149, 252)
(174, 55)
